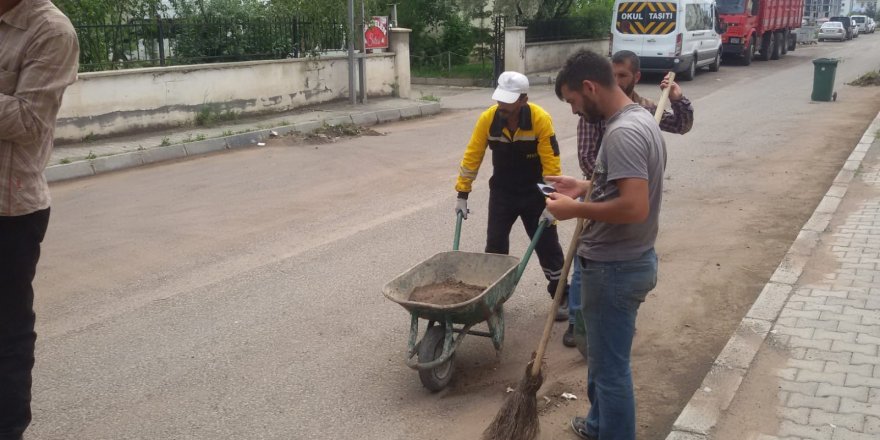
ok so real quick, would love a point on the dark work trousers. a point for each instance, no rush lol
(20, 239)
(504, 209)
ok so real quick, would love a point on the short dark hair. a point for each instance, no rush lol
(626, 56)
(584, 65)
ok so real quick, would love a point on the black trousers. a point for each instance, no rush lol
(504, 209)
(20, 239)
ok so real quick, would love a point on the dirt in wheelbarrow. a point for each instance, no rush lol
(446, 293)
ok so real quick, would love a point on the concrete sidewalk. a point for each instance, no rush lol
(804, 363)
(91, 157)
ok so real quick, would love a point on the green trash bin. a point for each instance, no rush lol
(823, 78)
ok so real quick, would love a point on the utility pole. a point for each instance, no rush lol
(352, 92)
(363, 64)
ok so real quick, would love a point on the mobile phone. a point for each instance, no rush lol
(546, 189)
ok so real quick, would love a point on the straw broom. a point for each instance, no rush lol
(518, 417)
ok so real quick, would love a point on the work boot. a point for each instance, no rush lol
(562, 311)
(568, 337)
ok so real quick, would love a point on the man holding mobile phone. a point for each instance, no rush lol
(524, 150)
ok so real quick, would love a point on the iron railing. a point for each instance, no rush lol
(568, 28)
(162, 42)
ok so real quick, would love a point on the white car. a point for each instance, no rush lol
(832, 30)
(872, 25)
(861, 21)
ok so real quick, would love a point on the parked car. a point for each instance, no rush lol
(848, 26)
(677, 35)
(861, 22)
(832, 30)
(872, 25)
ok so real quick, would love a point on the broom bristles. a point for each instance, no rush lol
(518, 417)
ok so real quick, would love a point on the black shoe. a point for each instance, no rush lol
(562, 312)
(579, 426)
(568, 337)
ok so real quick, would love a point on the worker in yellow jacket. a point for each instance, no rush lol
(524, 150)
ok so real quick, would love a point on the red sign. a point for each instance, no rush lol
(376, 33)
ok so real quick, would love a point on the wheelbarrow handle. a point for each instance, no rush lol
(459, 217)
(525, 259)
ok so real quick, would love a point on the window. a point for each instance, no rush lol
(698, 17)
(692, 17)
(708, 17)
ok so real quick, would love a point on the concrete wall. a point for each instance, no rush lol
(543, 57)
(105, 103)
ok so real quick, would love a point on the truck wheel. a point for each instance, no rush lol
(792, 42)
(691, 72)
(783, 43)
(750, 53)
(716, 65)
(776, 50)
(766, 46)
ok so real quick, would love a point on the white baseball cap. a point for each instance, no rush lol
(510, 86)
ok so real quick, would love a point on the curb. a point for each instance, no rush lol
(122, 161)
(721, 384)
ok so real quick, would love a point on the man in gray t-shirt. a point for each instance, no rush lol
(631, 148)
(617, 259)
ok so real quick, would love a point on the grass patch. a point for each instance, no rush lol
(165, 142)
(64, 161)
(477, 71)
(871, 78)
(90, 137)
(201, 137)
(431, 98)
(91, 156)
(209, 116)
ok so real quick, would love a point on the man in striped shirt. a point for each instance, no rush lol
(589, 134)
(38, 59)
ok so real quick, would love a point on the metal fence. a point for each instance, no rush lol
(596, 25)
(162, 42)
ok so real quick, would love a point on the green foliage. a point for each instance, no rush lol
(209, 116)
(103, 41)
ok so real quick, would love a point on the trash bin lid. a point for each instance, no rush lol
(826, 61)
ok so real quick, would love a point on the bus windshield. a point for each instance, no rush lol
(731, 6)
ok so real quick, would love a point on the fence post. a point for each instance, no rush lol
(294, 37)
(161, 41)
(515, 49)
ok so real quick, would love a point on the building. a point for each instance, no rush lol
(818, 9)
(861, 6)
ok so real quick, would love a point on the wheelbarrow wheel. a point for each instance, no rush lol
(431, 348)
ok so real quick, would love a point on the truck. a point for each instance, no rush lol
(759, 29)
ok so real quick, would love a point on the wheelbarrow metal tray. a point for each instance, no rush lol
(497, 272)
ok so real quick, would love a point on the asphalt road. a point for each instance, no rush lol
(238, 296)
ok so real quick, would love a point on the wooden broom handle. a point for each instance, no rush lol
(664, 98)
(557, 297)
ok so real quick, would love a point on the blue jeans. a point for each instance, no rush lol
(611, 295)
(574, 299)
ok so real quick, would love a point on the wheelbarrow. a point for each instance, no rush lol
(434, 355)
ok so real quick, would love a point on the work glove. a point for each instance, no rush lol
(461, 206)
(546, 215)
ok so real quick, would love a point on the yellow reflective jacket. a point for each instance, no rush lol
(519, 160)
